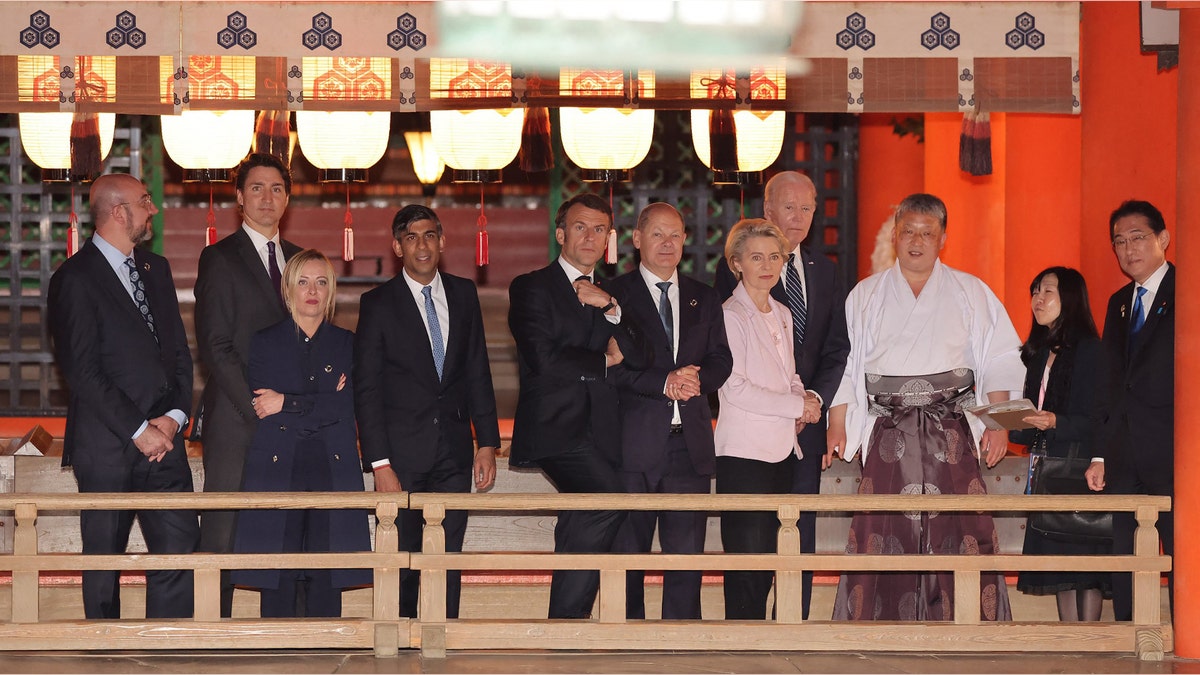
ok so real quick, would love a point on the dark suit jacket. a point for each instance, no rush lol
(315, 418)
(405, 414)
(821, 360)
(117, 374)
(1079, 420)
(234, 300)
(1140, 431)
(645, 411)
(565, 389)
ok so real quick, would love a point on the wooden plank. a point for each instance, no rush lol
(25, 582)
(188, 635)
(966, 597)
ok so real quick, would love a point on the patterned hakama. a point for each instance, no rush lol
(920, 444)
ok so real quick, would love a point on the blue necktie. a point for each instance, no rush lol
(665, 313)
(795, 296)
(435, 331)
(1139, 316)
(139, 296)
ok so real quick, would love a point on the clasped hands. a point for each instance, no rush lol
(682, 383)
(158, 438)
(812, 411)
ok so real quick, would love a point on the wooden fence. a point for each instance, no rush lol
(385, 632)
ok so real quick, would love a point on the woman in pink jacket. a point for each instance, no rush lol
(761, 404)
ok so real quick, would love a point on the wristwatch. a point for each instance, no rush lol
(611, 303)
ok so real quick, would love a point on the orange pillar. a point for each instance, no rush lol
(1187, 342)
(890, 168)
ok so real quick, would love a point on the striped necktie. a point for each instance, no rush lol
(795, 296)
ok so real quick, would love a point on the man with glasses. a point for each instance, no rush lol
(120, 343)
(1139, 333)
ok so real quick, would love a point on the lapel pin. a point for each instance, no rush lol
(692, 303)
(1122, 311)
(329, 369)
(146, 266)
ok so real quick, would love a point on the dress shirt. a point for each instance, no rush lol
(799, 265)
(260, 247)
(652, 280)
(440, 304)
(116, 260)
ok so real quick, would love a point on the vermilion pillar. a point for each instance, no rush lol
(1187, 340)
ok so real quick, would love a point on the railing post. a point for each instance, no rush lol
(612, 596)
(25, 582)
(432, 602)
(206, 593)
(1147, 588)
(386, 596)
(966, 597)
(788, 587)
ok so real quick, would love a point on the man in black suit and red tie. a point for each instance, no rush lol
(666, 422)
(237, 295)
(120, 343)
(1139, 334)
(421, 381)
(811, 288)
(570, 332)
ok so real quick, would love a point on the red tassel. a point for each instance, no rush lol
(85, 147)
(73, 228)
(348, 233)
(722, 140)
(537, 151)
(966, 145)
(981, 157)
(210, 234)
(481, 241)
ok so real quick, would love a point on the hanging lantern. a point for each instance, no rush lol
(477, 144)
(46, 138)
(427, 163)
(758, 138)
(208, 144)
(606, 142)
(343, 145)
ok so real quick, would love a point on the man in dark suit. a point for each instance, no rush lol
(570, 332)
(1139, 334)
(421, 380)
(811, 288)
(666, 421)
(120, 342)
(237, 294)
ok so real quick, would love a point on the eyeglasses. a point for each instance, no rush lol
(145, 202)
(1134, 241)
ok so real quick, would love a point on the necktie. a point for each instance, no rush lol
(139, 296)
(795, 296)
(435, 331)
(665, 313)
(1139, 315)
(273, 269)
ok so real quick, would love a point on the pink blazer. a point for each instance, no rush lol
(763, 397)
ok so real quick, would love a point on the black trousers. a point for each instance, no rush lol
(678, 532)
(305, 592)
(444, 476)
(169, 593)
(750, 531)
(1124, 526)
(806, 480)
(581, 469)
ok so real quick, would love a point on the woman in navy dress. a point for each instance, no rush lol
(1065, 375)
(299, 370)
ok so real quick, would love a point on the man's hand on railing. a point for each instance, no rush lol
(386, 480)
(1095, 476)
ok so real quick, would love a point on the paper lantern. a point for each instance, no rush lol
(46, 138)
(427, 163)
(208, 144)
(606, 142)
(343, 145)
(477, 144)
(759, 141)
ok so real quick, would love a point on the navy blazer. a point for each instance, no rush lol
(646, 411)
(565, 388)
(306, 371)
(821, 359)
(405, 413)
(117, 374)
(1140, 431)
(1080, 419)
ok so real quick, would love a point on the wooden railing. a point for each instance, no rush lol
(385, 632)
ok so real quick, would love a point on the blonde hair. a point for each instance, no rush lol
(291, 277)
(748, 228)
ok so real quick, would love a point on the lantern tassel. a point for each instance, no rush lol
(981, 156)
(348, 233)
(537, 152)
(85, 147)
(722, 140)
(965, 141)
(481, 241)
(610, 248)
(73, 227)
(272, 132)
(210, 233)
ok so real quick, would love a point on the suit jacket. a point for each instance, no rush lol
(821, 359)
(234, 300)
(763, 397)
(565, 388)
(646, 412)
(316, 417)
(405, 413)
(118, 375)
(1140, 431)
(1081, 416)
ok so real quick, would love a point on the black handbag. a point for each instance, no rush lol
(1055, 475)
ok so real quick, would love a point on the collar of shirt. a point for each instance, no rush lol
(260, 246)
(1151, 286)
(115, 259)
(572, 273)
(799, 270)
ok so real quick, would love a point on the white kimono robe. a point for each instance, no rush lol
(956, 322)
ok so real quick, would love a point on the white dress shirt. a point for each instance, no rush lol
(440, 305)
(652, 280)
(260, 247)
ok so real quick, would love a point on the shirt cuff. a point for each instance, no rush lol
(819, 399)
(615, 317)
(1098, 459)
(380, 463)
(145, 423)
(180, 418)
